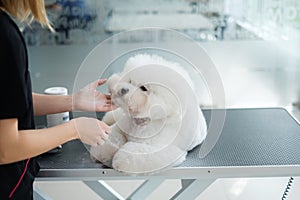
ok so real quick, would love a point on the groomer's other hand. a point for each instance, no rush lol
(91, 100)
(91, 131)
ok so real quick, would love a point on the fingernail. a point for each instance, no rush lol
(105, 137)
(108, 131)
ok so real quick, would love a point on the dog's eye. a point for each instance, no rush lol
(143, 88)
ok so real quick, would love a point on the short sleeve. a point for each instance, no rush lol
(13, 66)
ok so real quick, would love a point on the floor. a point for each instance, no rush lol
(225, 189)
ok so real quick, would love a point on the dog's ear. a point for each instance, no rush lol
(112, 81)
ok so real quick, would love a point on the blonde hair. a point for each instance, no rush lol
(27, 10)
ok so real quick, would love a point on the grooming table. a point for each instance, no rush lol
(253, 143)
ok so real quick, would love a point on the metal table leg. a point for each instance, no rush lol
(103, 190)
(145, 189)
(191, 188)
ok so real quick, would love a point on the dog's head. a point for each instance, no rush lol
(142, 88)
(130, 96)
(142, 101)
(138, 94)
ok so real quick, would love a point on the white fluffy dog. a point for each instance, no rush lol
(158, 119)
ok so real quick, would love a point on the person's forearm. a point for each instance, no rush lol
(29, 143)
(50, 104)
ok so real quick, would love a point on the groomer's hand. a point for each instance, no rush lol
(91, 131)
(91, 100)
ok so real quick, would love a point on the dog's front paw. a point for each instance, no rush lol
(104, 153)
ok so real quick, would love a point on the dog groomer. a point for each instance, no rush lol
(19, 141)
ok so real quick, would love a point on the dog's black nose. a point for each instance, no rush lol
(124, 91)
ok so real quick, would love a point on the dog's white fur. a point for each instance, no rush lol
(153, 128)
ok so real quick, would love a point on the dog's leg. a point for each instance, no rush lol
(200, 132)
(105, 152)
(111, 117)
(139, 158)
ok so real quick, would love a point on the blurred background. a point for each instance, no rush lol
(91, 21)
(254, 45)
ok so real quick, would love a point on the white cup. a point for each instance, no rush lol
(58, 118)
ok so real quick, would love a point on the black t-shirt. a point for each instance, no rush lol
(16, 179)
